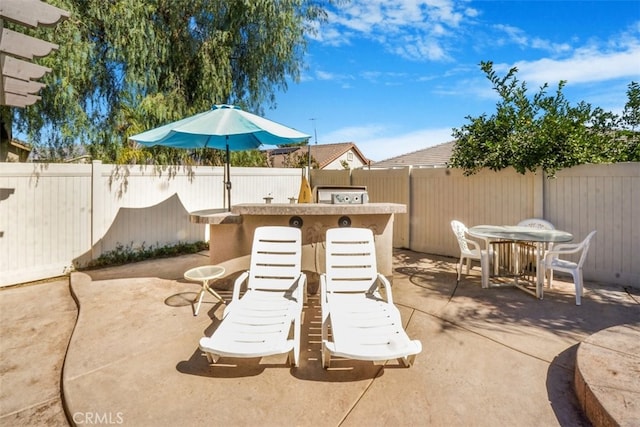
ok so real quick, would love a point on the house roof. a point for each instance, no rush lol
(324, 154)
(438, 155)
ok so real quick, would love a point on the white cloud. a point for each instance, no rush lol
(327, 76)
(582, 67)
(353, 133)
(417, 48)
(597, 61)
(471, 12)
(330, 36)
(538, 43)
(414, 29)
(377, 143)
(515, 35)
(519, 37)
(386, 78)
(323, 75)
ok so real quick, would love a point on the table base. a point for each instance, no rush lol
(204, 274)
(517, 261)
(201, 295)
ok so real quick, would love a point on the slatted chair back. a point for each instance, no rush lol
(350, 260)
(276, 258)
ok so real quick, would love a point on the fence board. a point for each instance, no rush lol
(389, 186)
(44, 219)
(330, 177)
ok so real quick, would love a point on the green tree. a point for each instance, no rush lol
(254, 158)
(301, 160)
(629, 137)
(631, 113)
(124, 66)
(540, 131)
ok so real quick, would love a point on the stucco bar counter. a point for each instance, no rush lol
(231, 233)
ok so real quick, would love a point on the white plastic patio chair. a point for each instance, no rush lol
(470, 250)
(364, 322)
(553, 262)
(266, 319)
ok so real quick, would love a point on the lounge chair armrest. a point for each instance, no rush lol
(323, 288)
(301, 289)
(324, 310)
(237, 286)
(387, 287)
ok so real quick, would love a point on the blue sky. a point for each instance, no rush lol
(395, 76)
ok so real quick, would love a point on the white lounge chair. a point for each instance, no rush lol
(266, 319)
(365, 325)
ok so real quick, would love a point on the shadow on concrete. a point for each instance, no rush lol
(507, 307)
(561, 390)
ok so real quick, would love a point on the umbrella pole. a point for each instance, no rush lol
(227, 183)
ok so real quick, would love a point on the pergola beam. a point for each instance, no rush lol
(21, 70)
(13, 85)
(17, 76)
(24, 46)
(31, 13)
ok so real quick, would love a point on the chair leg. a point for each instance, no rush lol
(326, 357)
(577, 279)
(407, 361)
(212, 358)
(459, 267)
(296, 344)
(326, 354)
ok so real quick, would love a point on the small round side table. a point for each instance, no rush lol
(204, 274)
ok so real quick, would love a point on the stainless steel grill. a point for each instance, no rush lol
(340, 195)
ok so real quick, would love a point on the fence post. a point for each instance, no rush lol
(538, 194)
(97, 208)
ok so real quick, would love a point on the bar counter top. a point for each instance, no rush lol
(221, 216)
(317, 209)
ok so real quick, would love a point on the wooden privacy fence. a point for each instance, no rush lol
(54, 217)
(581, 199)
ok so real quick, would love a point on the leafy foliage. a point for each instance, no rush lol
(631, 113)
(254, 158)
(300, 159)
(543, 131)
(127, 254)
(125, 66)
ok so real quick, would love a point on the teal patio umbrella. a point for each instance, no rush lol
(224, 127)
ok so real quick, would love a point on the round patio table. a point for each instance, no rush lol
(205, 274)
(514, 233)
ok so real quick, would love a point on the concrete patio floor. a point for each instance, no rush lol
(120, 346)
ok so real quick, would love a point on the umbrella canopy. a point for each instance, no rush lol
(224, 127)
